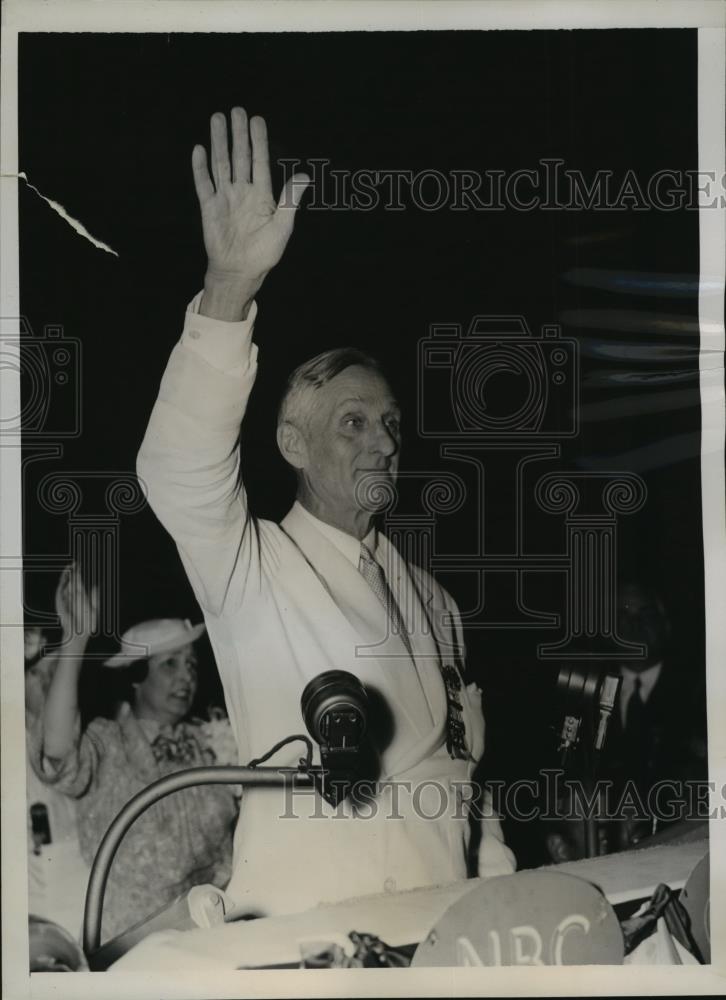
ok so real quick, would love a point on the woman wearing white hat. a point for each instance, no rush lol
(181, 841)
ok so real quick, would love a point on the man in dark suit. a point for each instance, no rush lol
(659, 730)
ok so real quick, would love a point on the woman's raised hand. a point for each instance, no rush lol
(76, 608)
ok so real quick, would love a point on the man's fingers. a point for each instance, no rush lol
(289, 201)
(202, 180)
(240, 145)
(293, 191)
(260, 155)
(221, 170)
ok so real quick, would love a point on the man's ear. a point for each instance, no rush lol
(292, 444)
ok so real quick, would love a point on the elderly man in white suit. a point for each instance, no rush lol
(322, 590)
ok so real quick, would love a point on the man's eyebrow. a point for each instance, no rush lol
(394, 404)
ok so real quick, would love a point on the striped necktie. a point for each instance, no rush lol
(372, 572)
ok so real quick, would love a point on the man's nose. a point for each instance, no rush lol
(385, 442)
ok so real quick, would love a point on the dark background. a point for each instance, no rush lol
(107, 124)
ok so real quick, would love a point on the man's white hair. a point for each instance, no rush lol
(299, 396)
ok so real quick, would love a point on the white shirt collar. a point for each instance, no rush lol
(648, 679)
(345, 543)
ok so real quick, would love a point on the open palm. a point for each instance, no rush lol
(76, 607)
(245, 230)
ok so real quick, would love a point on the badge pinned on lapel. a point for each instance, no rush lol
(455, 728)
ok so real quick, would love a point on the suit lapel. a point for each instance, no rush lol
(416, 602)
(371, 633)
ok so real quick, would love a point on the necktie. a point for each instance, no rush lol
(373, 574)
(635, 713)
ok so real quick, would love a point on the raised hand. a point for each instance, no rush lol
(245, 230)
(76, 608)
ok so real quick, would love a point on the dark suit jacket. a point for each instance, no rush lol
(671, 745)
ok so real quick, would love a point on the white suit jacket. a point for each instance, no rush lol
(282, 604)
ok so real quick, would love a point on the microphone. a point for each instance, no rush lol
(335, 707)
(590, 696)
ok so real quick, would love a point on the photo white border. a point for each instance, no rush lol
(236, 16)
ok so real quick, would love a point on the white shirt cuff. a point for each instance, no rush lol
(225, 346)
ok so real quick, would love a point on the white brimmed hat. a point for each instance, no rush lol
(160, 635)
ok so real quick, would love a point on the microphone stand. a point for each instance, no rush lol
(592, 845)
(590, 697)
(334, 705)
(301, 777)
